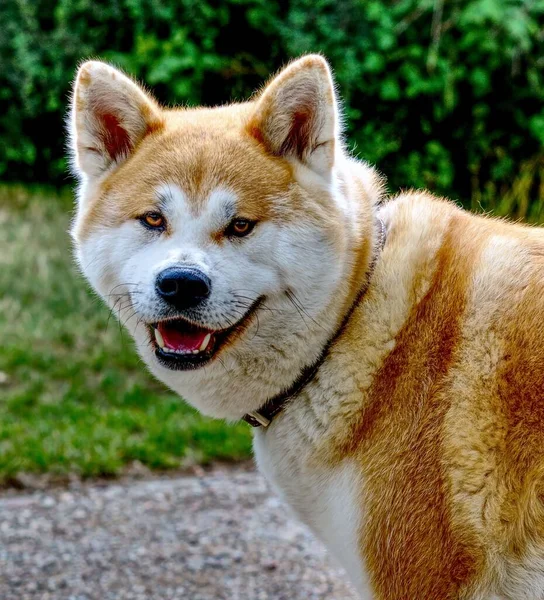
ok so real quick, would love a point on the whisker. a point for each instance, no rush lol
(111, 313)
(91, 262)
(252, 300)
(263, 306)
(124, 284)
(134, 313)
(292, 296)
(258, 325)
(123, 294)
(224, 366)
(297, 308)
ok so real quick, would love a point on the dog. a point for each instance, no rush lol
(388, 352)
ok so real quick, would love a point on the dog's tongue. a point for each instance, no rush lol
(181, 341)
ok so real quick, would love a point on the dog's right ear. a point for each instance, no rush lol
(110, 115)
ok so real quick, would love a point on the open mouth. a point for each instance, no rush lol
(182, 345)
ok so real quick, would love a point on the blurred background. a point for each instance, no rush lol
(446, 95)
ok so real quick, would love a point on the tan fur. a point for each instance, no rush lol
(448, 425)
(433, 395)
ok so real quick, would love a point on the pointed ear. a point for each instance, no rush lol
(297, 115)
(110, 115)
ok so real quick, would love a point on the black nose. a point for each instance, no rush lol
(182, 287)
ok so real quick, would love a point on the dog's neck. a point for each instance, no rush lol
(273, 406)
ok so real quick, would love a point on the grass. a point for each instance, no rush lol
(74, 397)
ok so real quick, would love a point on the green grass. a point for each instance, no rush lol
(74, 397)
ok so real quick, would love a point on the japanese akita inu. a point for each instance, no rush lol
(390, 354)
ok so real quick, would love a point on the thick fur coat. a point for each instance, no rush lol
(416, 453)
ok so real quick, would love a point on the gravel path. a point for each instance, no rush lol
(219, 536)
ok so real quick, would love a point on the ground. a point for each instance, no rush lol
(74, 397)
(216, 536)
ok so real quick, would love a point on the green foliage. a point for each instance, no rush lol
(444, 95)
(73, 394)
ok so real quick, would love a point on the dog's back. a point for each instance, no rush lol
(449, 431)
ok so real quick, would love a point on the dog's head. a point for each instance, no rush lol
(226, 239)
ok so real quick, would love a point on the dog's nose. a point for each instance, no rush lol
(182, 287)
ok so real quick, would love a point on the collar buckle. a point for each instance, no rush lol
(259, 418)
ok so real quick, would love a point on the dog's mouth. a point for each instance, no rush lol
(182, 345)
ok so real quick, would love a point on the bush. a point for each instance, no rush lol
(443, 95)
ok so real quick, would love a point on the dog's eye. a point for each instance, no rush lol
(153, 220)
(240, 227)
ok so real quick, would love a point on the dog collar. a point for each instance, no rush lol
(263, 417)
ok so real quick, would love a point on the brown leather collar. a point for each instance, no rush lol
(263, 417)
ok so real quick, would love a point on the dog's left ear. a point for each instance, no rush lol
(296, 116)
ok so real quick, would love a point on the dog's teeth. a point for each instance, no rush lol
(205, 343)
(164, 348)
(159, 338)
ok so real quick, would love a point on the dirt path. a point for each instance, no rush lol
(219, 536)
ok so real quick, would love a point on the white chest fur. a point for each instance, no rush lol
(327, 500)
